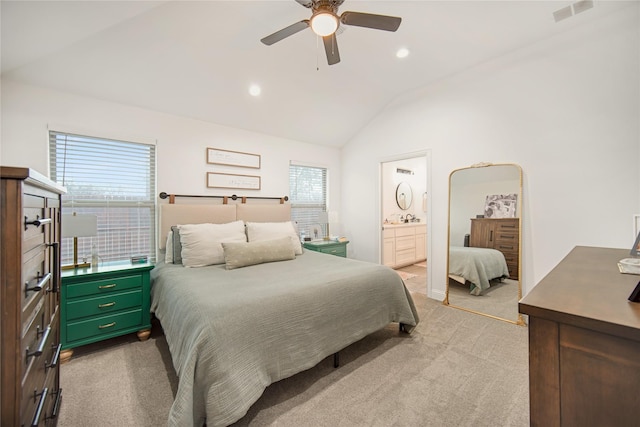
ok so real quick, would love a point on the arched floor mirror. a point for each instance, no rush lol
(484, 261)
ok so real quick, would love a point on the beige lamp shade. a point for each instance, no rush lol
(79, 225)
(323, 218)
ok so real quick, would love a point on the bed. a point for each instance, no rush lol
(477, 267)
(232, 332)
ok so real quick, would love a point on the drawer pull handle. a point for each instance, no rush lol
(41, 281)
(56, 265)
(506, 247)
(43, 397)
(37, 222)
(43, 340)
(113, 285)
(108, 325)
(54, 359)
(109, 304)
(56, 406)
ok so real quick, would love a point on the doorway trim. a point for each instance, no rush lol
(404, 156)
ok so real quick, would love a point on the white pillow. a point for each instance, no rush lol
(202, 243)
(259, 231)
(168, 256)
(244, 254)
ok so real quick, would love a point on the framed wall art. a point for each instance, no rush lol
(217, 156)
(500, 206)
(230, 180)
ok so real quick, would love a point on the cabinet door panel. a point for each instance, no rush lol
(593, 368)
(421, 247)
(481, 234)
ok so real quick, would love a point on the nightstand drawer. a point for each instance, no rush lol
(103, 304)
(103, 325)
(335, 250)
(97, 287)
(328, 247)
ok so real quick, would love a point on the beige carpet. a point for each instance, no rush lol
(455, 369)
(500, 299)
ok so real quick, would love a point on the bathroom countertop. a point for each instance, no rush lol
(401, 224)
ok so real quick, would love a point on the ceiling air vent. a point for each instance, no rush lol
(572, 9)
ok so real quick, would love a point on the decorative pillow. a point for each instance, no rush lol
(168, 254)
(176, 246)
(260, 231)
(238, 255)
(202, 243)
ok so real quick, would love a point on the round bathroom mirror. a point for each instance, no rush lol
(404, 196)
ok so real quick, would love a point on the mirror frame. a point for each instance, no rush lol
(520, 319)
(409, 195)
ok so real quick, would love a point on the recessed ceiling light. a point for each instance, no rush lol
(403, 52)
(255, 90)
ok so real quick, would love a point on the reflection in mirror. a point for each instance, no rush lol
(484, 256)
(404, 196)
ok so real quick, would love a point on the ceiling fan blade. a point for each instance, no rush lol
(285, 32)
(331, 48)
(368, 20)
(305, 3)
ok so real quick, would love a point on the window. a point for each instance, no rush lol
(114, 180)
(308, 193)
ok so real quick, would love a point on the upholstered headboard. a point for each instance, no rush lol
(174, 214)
(263, 213)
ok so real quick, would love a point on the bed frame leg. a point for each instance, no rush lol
(401, 327)
(336, 359)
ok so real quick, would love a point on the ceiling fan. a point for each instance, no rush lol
(325, 21)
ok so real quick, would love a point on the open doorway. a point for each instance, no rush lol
(404, 216)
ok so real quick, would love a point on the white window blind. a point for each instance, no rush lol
(114, 180)
(308, 195)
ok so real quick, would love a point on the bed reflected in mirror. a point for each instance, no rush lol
(484, 251)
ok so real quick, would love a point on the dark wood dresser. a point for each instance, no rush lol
(502, 234)
(584, 342)
(30, 316)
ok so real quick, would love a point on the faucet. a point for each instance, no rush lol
(409, 220)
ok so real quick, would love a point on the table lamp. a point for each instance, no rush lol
(74, 225)
(323, 218)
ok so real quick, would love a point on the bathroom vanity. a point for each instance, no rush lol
(404, 244)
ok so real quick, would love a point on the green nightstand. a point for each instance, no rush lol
(103, 302)
(328, 247)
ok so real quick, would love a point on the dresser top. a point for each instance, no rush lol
(587, 290)
(31, 176)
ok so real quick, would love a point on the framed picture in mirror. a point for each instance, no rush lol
(500, 206)
(635, 250)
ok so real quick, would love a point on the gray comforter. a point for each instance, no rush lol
(231, 333)
(478, 266)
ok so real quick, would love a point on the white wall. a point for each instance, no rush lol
(181, 142)
(566, 109)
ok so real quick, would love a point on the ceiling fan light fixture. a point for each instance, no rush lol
(324, 23)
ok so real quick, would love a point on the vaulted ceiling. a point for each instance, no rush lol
(197, 58)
